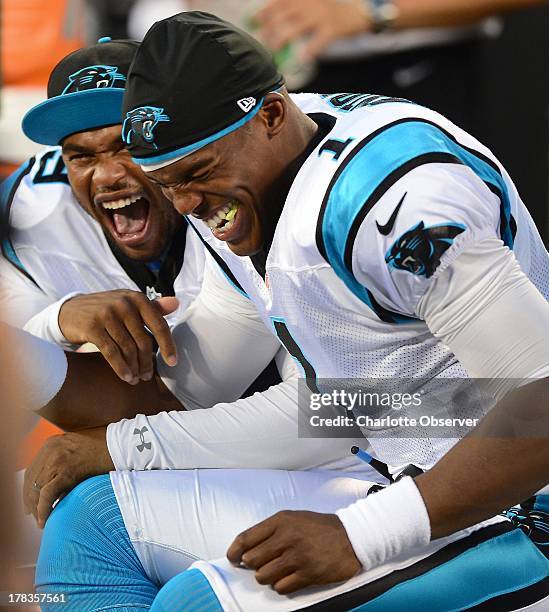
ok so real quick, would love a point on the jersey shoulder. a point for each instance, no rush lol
(45, 220)
(36, 189)
(399, 186)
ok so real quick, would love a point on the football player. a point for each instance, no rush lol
(85, 221)
(376, 239)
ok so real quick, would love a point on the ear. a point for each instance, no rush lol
(273, 113)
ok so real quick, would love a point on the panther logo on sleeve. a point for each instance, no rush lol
(419, 250)
(139, 125)
(94, 77)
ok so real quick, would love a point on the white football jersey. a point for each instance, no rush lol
(390, 196)
(56, 248)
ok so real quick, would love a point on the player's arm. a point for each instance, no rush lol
(505, 460)
(222, 342)
(114, 321)
(223, 346)
(256, 432)
(485, 300)
(79, 390)
(93, 396)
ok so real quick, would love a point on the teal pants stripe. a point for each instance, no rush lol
(501, 565)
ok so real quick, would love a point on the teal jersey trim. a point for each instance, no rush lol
(376, 164)
(497, 567)
(541, 502)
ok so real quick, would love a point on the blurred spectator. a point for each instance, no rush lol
(146, 12)
(8, 452)
(35, 36)
(107, 18)
(445, 54)
(424, 50)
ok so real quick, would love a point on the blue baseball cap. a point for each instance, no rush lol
(85, 91)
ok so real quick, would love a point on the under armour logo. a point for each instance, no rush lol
(246, 104)
(144, 445)
(152, 293)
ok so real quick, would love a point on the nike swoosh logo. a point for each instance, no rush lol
(387, 228)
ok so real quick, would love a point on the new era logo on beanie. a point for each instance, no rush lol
(195, 78)
(246, 104)
(85, 91)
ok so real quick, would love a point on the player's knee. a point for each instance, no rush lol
(86, 553)
(189, 591)
(74, 529)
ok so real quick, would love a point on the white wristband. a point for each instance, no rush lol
(45, 324)
(387, 523)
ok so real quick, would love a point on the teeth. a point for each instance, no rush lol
(121, 203)
(228, 225)
(227, 213)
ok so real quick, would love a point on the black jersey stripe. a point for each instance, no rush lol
(219, 260)
(516, 600)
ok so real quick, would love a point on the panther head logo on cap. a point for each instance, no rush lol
(94, 77)
(139, 125)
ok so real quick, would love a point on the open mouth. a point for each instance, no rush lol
(223, 220)
(128, 219)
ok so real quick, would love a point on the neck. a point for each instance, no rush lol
(303, 132)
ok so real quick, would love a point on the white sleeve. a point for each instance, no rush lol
(25, 305)
(259, 432)
(45, 324)
(420, 225)
(222, 344)
(487, 311)
(20, 298)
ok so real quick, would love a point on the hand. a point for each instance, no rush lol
(293, 550)
(60, 465)
(115, 322)
(319, 21)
